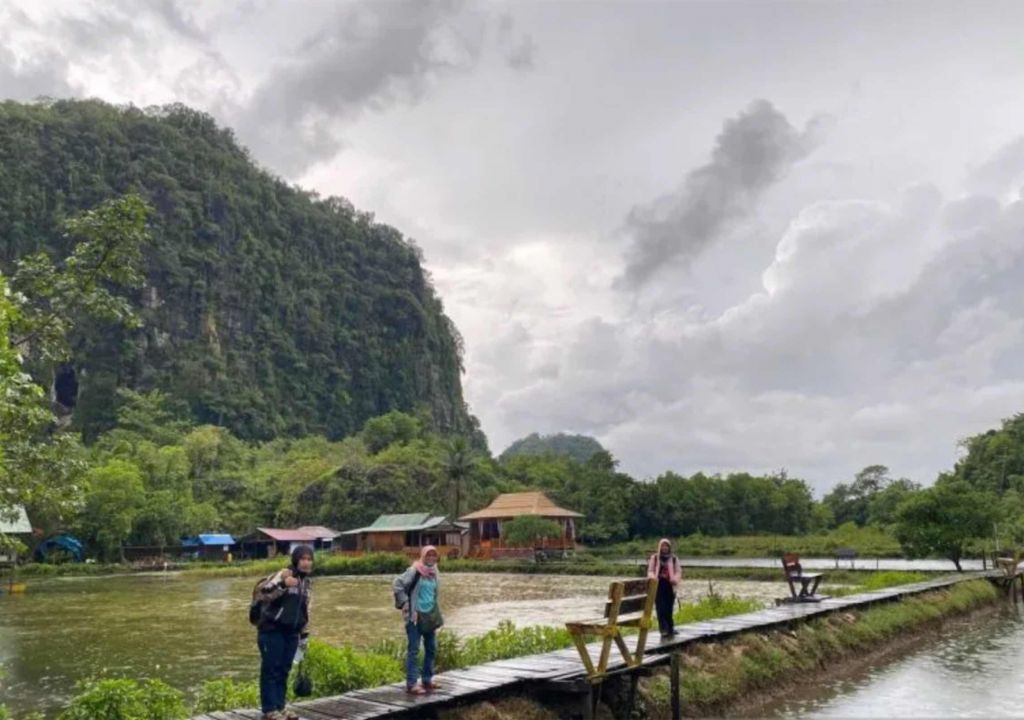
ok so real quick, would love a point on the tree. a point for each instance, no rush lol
(994, 460)
(529, 530)
(114, 499)
(942, 519)
(851, 503)
(459, 462)
(577, 447)
(393, 427)
(39, 467)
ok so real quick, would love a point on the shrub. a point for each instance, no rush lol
(225, 695)
(338, 670)
(124, 699)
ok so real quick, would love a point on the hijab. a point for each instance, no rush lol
(427, 571)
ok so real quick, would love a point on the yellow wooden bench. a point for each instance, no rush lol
(630, 604)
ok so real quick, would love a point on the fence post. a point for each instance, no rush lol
(677, 713)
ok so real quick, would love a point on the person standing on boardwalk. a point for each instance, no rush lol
(285, 600)
(663, 566)
(417, 596)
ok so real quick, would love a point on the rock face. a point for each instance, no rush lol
(267, 309)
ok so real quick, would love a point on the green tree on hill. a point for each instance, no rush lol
(577, 447)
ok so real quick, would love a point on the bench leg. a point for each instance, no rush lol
(814, 589)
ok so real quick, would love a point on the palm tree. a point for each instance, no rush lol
(459, 462)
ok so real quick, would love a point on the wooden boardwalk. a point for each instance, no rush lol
(504, 676)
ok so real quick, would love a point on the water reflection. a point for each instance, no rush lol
(973, 671)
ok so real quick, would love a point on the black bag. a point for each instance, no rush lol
(303, 685)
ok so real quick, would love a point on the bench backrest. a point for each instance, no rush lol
(634, 597)
(846, 554)
(791, 564)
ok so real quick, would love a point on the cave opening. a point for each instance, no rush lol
(65, 386)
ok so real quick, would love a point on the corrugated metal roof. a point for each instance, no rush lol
(282, 535)
(15, 522)
(406, 522)
(321, 532)
(522, 503)
(394, 522)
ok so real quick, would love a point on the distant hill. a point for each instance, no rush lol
(268, 309)
(577, 447)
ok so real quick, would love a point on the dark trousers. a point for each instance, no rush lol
(665, 603)
(277, 650)
(413, 633)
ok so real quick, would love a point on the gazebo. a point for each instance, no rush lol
(486, 536)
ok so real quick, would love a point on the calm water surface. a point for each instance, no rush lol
(187, 629)
(975, 671)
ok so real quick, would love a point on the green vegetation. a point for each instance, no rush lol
(575, 447)
(943, 519)
(529, 530)
(122, 699)
(39, 306)
(266, 309)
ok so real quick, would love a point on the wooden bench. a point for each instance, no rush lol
(795, 576)
(845, 554)
(629, 604)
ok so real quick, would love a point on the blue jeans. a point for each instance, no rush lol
(412, 631)
(277, 650)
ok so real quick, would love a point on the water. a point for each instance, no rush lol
(186, 629)
(974, 671)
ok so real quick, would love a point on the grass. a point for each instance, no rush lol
(716, 674)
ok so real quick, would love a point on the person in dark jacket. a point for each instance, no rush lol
(283, 627)
(417, 595)
(664, 567)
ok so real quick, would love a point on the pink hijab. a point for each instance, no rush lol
(421, 566)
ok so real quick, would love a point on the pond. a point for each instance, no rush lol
(185, 629)
(973, 670)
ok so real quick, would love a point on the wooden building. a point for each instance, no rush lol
(271, 542)
(486, 538)
(14, 526)
(209, 546)
(408, 532)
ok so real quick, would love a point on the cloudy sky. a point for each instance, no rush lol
(716, 236)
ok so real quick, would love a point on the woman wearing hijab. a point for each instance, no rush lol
(283, 626)
(416, 594)
(664, 567)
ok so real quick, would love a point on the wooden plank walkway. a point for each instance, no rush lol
(504, 676)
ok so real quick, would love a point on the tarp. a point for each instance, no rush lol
(208, 539)
(67, 543)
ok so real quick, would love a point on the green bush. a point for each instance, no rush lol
(715, 606)
(225, 695)
(338, 670)
(508, 641)
(124, 699)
